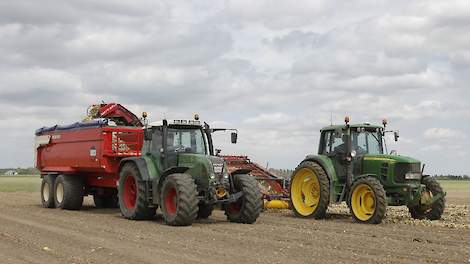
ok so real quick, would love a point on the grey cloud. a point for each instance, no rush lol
(275, 70)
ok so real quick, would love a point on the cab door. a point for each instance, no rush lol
(335, 148)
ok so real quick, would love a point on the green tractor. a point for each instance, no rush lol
(179, 173)
(352, 165)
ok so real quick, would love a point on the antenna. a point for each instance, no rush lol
(331, 118)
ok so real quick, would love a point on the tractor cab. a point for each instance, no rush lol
(187, 145)
(365, 139)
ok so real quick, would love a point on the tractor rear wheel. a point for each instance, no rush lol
(309, 190)
(132, 194)
(47, 191)
(368, 201)
(178, 200)
(431, 212)
(205, 210)
(248, 208)
(106, 201)
(68, 192)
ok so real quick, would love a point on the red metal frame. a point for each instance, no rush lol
(114, 110)
(271, 185)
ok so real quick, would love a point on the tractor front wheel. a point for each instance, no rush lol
(433, 211)
(368, 201)
(309, 190)
(178, 200)
(248, 208)
(132, 194)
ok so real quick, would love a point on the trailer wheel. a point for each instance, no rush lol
(106, 201)
(47, 191)
(132, 194)
(68, 192)
(178, 199)
(247, 209)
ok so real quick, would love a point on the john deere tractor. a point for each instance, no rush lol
(179, 173)
(352, 165)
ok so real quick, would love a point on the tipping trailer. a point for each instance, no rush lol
(84, 158)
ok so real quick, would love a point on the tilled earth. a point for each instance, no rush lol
(31, 234)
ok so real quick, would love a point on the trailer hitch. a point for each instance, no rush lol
(231, 198)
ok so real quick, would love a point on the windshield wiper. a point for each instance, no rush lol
(376, 138)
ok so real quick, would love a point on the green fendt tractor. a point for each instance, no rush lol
(179, 172)
(352, 166)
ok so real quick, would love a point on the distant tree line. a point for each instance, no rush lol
(19, 171)
(453, 177)
(283, 173)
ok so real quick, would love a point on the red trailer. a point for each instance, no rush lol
(84, 158)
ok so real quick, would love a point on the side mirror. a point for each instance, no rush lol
(234, 137)
(148, 133)
(396, 134)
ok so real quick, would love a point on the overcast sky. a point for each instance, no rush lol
(276, 70)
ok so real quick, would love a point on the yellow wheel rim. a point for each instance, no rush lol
(305, 191)
(363, 202)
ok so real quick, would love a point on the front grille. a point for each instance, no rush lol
(403, 168)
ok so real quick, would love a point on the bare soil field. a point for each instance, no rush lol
(31, 234)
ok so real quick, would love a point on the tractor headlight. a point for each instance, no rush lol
(413, 176)
(353, 153)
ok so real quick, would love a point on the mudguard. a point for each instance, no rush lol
(141, 164)
(327, 165)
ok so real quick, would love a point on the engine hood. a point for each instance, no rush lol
(391, 158)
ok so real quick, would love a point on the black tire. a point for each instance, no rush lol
(324, 186)
(435, 211)
(379, 205)
(106, 201)
(68, 192)
(248, 208)
(178, 199)
(132, 194)
(205, 210)
(47, 191)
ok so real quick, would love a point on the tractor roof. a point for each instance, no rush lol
(178, 122)
(364, 125)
